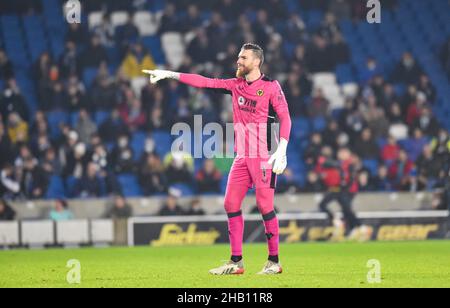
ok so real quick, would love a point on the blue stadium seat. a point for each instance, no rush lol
(55, 189)
(130, 185)
(100, 117)
(89, 75)
(300, 128)
(55, 118)
(138, 144)
(163, 142)
(186, 190)
(372, 165)
(153, 44)
(319, 124)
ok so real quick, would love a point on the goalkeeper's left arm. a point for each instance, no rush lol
(280, 105)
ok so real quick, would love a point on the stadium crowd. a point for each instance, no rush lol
(397, 142)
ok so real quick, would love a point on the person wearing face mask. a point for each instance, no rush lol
(122, 156)
(407, 71)
(113, 127)
(12, 101)
(426, 122)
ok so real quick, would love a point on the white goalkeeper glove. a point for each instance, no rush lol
(157, 75)
(279, 159)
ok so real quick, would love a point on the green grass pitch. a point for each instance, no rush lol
(403, 264)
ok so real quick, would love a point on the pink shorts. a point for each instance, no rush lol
(252, 172)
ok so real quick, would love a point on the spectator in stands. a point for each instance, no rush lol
(7, 213)
(195, 208)
(133, 114)
(94, 54)
(295, 29)
(395, 114)
(199, 49)
(85, 127)
(329, 27)
(331, 134)
(287, 183)
(390, 151)
(126, 34)
(388, 96)
(407, 71)
(76, 95)
(319, 106)
(415, 108)
(76, 34)
(319, 56)
(122, 156)
(60, 211)
(440, 146)
(12, 101)
(208, 178)
(262, 28)
(424, 85)
(340, 8)
(9, 186)
(34, 181)
(6, 67)
(113, 127)
(105, 32)
(40, 145)
(341, 51)
(103, 94)
(313, 183)
(169, 20)
(426, 122)
(120, 209)
(179, 167)
(313, 150)
(90, 185)
(17, 129)
(170, 206)
(369, 71)
(151, 175)
(5, 146)
(428, 167)
(75, 158)
(365, 146)
(400, 171)
(364, 183)
(68, 62)
(381, 182)
(137, 60)
(375, 118)
(192, 19)
(416, 144)
(50, 163)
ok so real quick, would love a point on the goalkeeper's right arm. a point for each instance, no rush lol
(193, 80)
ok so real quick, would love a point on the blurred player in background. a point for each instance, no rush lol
(256, 99)
(340, 177)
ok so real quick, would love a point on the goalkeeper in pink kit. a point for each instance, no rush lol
(254, 97)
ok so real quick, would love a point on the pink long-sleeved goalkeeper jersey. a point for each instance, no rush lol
(254, 108)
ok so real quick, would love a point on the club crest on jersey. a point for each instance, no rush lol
(260, 92)
(241, 100)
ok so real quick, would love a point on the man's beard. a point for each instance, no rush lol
(242, 72)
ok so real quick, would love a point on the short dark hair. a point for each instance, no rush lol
(257, 50)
